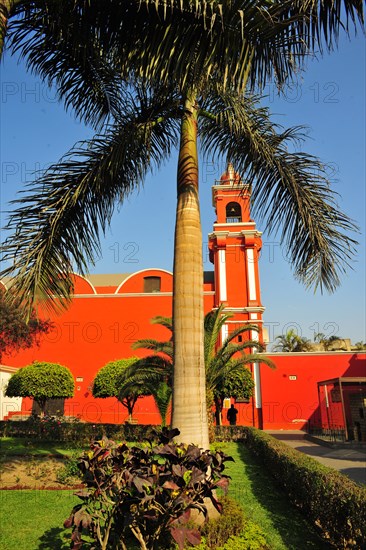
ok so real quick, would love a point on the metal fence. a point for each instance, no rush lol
(333, 433)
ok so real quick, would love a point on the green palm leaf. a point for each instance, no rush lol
(59, 224)
(290, 190)
(181, 41)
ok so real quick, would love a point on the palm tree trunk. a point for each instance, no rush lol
(189, 413)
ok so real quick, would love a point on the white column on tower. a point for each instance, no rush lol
(256, 370)
(224, 333)
(222, 275)
(251, 274)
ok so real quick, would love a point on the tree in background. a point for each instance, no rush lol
(291, 342)
(15, 332)
(42, 381)
(328, 342)
(110, 382)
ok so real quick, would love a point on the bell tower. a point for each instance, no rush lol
(234, 247)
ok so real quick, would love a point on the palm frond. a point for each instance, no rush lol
(238, 331)
(214, 320)
(163, 321)
(56, 228)
(162, 394)
(290, 189)
(250, 358)
(154, 345)
(150, 370)
(184, 41)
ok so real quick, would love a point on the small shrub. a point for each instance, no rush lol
(146, 493)
(70, 470)
(252, 538)
(231, 522)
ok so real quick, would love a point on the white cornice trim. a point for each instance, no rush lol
(219, 233)
(243, 233)
(255, 233)
(229, 186)
(134, 294)
(246, 321)
(249, 309)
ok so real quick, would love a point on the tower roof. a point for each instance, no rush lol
(230, 177)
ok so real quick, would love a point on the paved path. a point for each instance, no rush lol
(350, 461)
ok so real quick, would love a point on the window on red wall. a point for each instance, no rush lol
(152, 284)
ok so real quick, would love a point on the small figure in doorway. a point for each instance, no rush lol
(231, 415)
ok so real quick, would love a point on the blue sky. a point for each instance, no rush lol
(329, 98)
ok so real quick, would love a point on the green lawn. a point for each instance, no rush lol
(16, 446)
(33, 519)
(264, 503)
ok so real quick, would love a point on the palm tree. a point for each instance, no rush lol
(330, 342)
(223, 363)
(292, 342)
(156, 371)
(106, 59)
(359, 346)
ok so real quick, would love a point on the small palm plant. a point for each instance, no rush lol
(292, 342)
(225, 363)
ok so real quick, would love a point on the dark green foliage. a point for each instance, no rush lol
(110, 382)
(147, 493)
(251, 539)
(230, 523)
(56, 429)
(70, 470)
(239, 385)
(42, 381)
(230, 433)
(232, 530)
(15, 332)
(330, 500)
(292, 342)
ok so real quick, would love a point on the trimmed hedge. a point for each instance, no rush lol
(59, 430)
(230, 433)
(54, 429)
(330, 500)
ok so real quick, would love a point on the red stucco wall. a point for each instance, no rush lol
(100, 326)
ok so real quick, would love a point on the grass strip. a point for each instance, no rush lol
(34, 519)
(265, 504)
(23, 446)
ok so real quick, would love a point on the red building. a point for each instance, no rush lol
(109, 312)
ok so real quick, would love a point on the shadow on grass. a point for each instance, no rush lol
(28, 447)
(54, 538)
(292, 527)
